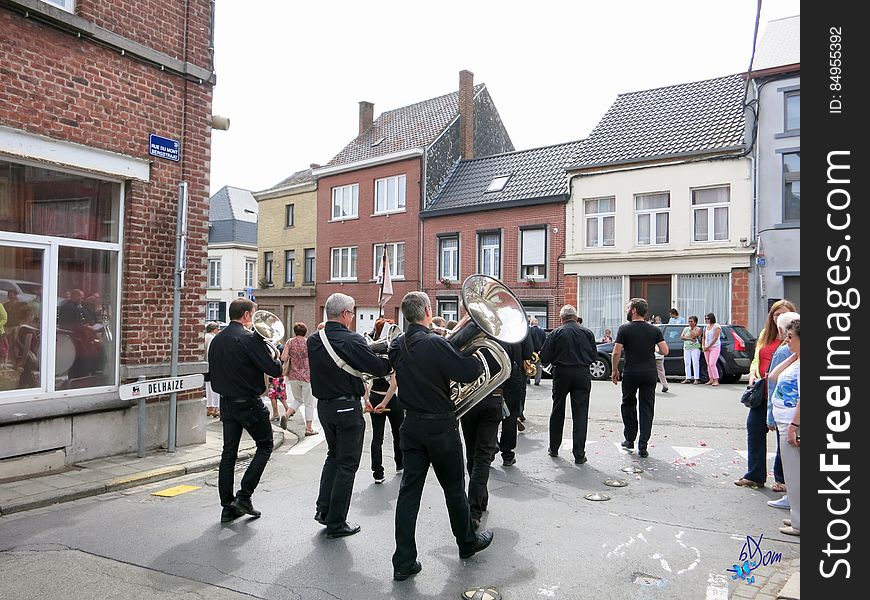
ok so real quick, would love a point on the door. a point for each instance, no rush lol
(674, 365)
(365, 319)
(657, 292)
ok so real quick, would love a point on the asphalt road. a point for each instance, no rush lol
(671, 532)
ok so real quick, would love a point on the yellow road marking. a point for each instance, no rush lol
(175, 491)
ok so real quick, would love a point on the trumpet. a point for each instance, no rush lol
(270, 328)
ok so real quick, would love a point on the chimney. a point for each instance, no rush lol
(314, 166)
(366, 116)
(466, 114)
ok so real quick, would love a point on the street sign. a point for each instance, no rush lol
(157, 387)
(760, 261)
(164, 147)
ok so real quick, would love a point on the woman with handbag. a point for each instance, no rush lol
(769, 340)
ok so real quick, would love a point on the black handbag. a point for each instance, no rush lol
(755, 395)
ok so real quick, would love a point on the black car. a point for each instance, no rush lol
(738, 349)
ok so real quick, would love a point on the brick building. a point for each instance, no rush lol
(88, 219)
(370, 195)
(501, 216)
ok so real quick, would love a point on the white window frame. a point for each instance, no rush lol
(289, 215)
(493, 249)
(214, 273)
(708, 212)
(345, 196)
(384, 203)
(212, 310)
(67, 5)
(652, 214)
(452, 260)
(533, 270)
(347, 257)
(290, 274)
(250, 272)
(305, 271)
(600, 218)
(449, 315)
(392, 256)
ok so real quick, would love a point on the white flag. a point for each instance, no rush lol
(386, 291)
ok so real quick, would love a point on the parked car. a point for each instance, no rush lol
(26, 290)
(738, 348)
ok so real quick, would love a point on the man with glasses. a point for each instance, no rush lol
(337, 358)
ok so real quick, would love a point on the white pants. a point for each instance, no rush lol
(212, 398)
(301, 392)
(692, 360)
(791, 468)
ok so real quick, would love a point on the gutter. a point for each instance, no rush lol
(369, 162)
(438, 212)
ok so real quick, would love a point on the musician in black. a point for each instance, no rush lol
(339, 390)
(514, 396)
(425, 364)
(237, 360)
(570, 349)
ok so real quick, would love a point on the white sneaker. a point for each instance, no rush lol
(380, 479)
(781, 503)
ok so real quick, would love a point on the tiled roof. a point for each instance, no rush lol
(414, 126)
(233, 203)
(231, 231)
(780, 45)
(296, 178)
(685, 119)
(538, 173)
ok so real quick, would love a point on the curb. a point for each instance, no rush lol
(86, 490)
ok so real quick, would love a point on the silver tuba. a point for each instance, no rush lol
(270, 328)
(493, 312)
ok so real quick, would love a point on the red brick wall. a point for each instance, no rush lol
(368, 230)
(740, 296)
(509, 220)
(56, 85)
(571, 290)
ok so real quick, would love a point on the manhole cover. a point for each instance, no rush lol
(633, 469)
(615, 482)
(597, 497)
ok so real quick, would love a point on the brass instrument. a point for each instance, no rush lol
(270, 328)
(493, 312)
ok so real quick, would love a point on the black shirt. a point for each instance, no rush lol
(237, 359)
(538, 336)
(570, 345)
(639, 339)
(327, 379)
(425, 365)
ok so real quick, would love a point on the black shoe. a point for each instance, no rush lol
(403, 575)
(484, 539)
(520, 426)
(553, 452)
(475, 523)
(509, 462)
(642, 452)
(665, 390)
(244, 505)
(627, 445)
(343, 531)
(579, 460)
(537, 383)
(230, 513)
(320, 517)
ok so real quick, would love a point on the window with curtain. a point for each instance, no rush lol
(345, 202)
(448, 309)
(601, 304)
(390, 194)
(791, 187)
(289, 267)
(343, 263)
(489, 254)
(600, 221)
(268, 267)
(214, 272)
(652, 212)
(448, 257)
(289, 215)
(700, 293)
(309, 265)
(395, 257)
(710, 214)
(533, 243)
(212, 311)
(250, 269)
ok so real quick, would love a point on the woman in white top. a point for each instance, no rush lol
(787, 413)
(212, 398)
(711, 346)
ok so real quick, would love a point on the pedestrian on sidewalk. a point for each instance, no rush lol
(639, 339)
(238, 359)
(212, 398)
(691, 336)
(298, 374)
(711, 346)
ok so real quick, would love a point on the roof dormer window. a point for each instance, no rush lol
(498, 183)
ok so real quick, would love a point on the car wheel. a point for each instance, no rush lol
(599, 369)
(729, 378)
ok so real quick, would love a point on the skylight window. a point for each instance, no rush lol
(378, 141)
(498, 183)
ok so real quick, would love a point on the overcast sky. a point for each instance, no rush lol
(290, 75)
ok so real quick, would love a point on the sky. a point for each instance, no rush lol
(290, 75)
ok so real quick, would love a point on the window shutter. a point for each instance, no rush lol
(222, 312)
(533, 247)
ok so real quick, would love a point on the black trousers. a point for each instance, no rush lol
(237, 415)
(341, 420)
(577, 382)
(379, 422)
(514, 390)
(644, 385)
(433, 442)
(480, 430)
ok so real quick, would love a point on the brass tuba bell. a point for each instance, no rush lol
(270, 328)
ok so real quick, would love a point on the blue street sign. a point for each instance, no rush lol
(760, 261)
(164, 147)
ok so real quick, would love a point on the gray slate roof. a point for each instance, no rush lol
(232, 217)
(536, 174)
(690, 118)
(414, 126)
(296, 178)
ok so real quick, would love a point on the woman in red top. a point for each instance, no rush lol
(296, 369)
(756, 421)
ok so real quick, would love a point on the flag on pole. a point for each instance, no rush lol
(386, 291)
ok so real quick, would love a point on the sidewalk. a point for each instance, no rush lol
(102, 475)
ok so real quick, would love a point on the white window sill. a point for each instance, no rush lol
(349, 280)
(354, 218)
(387, 213)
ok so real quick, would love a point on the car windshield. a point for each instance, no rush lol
(29, 288)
